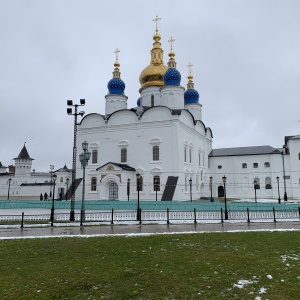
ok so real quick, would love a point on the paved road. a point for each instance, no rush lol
(60, 231)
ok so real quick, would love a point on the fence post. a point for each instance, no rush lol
(140, 216)
(168, 221)
(274, 214)
(195, 216)
(248, 215)
(222, 215)
(112, 216)
(22, 222)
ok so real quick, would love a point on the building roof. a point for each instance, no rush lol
(239, 151)
(122, 166)
(1, 166)
(24, 154)
(64, 169)
(295, 137)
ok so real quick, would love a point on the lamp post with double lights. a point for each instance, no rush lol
(210, 182)
(138, 178)
(67, 183)
(53, 194)
(285, 197)
(128, 188)
(9, 181)
(190, 181)
(255, 188)
(224, 178)
(75, 114)
(279, 200)
(84, 159)
(51, 173)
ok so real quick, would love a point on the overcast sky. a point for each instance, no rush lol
(245, 55)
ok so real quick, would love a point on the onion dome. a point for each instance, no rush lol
(191, 96)
(138, 102)
(116, 85)
(153, 75)
(172, 76)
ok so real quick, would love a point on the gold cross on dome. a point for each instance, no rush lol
(190, 67)
(117, 53)
(156, 21)
(171, 43)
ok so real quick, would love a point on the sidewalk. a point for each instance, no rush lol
(144, 229)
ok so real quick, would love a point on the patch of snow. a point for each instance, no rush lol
(257, 298)
(242, 283)
(270, 276)
(262, 290)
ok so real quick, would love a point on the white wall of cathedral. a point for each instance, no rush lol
(150, 96)
(195, 110)
(172, 96)
(114, 103)
(138, 135)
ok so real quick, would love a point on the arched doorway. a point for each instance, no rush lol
(113, 191)
(220, 191)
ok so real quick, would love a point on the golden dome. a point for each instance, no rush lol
(153, 75)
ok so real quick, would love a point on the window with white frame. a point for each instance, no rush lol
(244, 166)
(256, 183)
(93, 184)
(94, 156)
(190, 155)
(268, 185)
(267, 164)
(123, 155)
(156, 183)
(155, 153)
(185, 154)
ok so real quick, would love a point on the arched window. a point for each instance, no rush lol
(184, 154)
(140, 186)
(93, 184)
(190, 155)
(268, 183)
(255, 165)
(256, 183)
(94, 156)
(155, 151)
(113, 191)
(123, 155)
(267, 164)
(244, 166)
(156, 183)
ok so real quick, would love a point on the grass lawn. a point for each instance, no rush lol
(248, 265)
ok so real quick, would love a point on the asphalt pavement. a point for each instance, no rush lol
(129, 229)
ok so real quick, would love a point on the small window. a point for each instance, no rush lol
(152, 100)
(184, 154)
(156, 183)
(139, 186)
(268, 183)
(219, 167)
(155, 152)
(93, 184)
(199, 158)
(61, 179)
(190, 155)
(267, 164)
(299, 156)
(94, 156)
(244, 166)
(255, 165)
(123, 155)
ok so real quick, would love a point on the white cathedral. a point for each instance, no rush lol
(164, 140)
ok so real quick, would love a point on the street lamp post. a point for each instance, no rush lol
(128, 188)
(224, 178)
(190, 181)
(138, 178)
(285, 194)
(210, 182)
(53, 192)
(255, 183)
(51, 173)
(67, 183)
(156, 188)
(75, 114)
(279, 200)
(84, 158)
(9, 181)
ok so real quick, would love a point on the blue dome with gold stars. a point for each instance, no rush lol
(172, 77)
(191, 96)
(116, 86)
